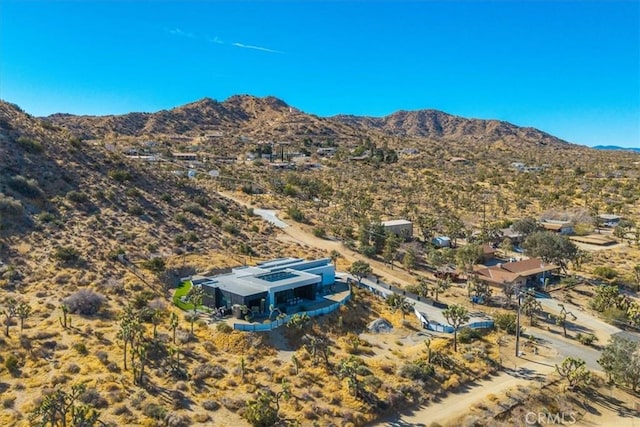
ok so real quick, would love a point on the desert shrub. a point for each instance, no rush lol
(466, 335)
(232, 404)
(215, 220)
(119, 175)
(85, 302)
(194, 209)
(506, 322)
(416, 371)
(12, 363)
(132, 192)
(155, 411)
(102, 356)
(77, 196)
(46, 217)
(605, 272)
(224, 328)
(221, 207)
(73, 369)
(136, 210)
(91, 396)
(154, 264)
(24, 186)
(296, 214)
(207, 370)
(179, 239)
(177, 420)
(122, 410)
(10, 206)
(8, 402)
(181, 218)
(166, 197)
(30, 145)
(586, 339)
(320, 232)
(229, 228)
(615, 315)
(210, 405)
(81, 348)
(66, 254)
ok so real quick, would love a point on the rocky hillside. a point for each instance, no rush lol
(241, 115)
(437, 125)
(272, 118)
(59, 193)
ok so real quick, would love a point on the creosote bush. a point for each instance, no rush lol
(24, 186)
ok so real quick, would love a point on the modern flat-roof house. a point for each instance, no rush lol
(526, 273)
(400, 227)
(283, 282)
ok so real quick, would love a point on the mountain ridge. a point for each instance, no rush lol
(271, 117)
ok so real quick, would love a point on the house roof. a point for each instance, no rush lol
(512, 271)
(510, 233)
(553, 226)
(610, 217)
(488, 249)
(393, 222)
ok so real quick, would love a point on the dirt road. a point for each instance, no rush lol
(446, 411)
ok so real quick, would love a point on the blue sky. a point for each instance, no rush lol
(570, 68)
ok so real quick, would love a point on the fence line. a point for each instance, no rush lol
(263, 327)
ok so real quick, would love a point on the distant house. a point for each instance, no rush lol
(326, 151)
(400, 227)
(185, 156)
(511, 234)
(562, 227)
(408, 151)
(526, 273)
(281, 283)
(488, 252)
(441, 242)
(459, 161)
(610, 220)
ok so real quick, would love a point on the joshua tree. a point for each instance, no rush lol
(10, 311)
(23, 311)
(423, 286)
(360, 270)
(195, 297)
(574, 370)
(561, 319)
(334, 255)
(456, 316)
(351, 369)
(399, 302)
(173, 325)
(65, 312)
(441, 286)
(530, 306)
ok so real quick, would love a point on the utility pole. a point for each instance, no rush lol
(518, 326)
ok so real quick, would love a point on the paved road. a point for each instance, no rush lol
(584, 322)
(434, 314)
(271, 217)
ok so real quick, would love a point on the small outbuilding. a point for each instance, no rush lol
(400, 227)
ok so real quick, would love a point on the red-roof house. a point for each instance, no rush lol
(526, 273)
